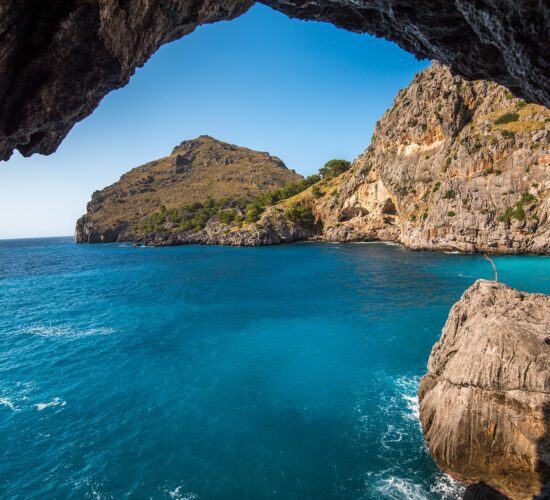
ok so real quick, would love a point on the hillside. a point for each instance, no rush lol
(453, 165)
(195, 171)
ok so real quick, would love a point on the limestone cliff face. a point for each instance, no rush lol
(195, 170)
(58, 59)
(485, 401)
(453, 165)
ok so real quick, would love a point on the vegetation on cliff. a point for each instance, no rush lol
(178, 191)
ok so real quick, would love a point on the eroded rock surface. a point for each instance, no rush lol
(58, 59)
(485, 401)
(453, 165)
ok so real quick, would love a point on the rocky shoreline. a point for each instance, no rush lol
(452, 166)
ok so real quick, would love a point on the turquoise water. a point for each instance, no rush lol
(232, 373)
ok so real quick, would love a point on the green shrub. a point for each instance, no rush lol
(526, 198)
(450, 213)
(449, 194)
(365, 170)
(334, 168)
(227, 216)
(507, 134)
(300, 214)
(253, 212)
(316, 192)
(424, 127)
(437, 186)
(517, 211)
(507, 118)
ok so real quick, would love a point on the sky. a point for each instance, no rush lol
(306, 92)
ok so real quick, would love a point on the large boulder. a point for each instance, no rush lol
(485, 401)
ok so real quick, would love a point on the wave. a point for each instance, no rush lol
(177, 494)
(54, 402)
(8, 403)
(397, 488)
(408, 387)
(66, 331)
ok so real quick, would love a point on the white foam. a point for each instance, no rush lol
(397, 488)
(8, 403)
(66, 331)
(177, 494)
(447, 488)
(413, 407)
(53, 402)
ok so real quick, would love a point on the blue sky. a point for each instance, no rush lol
(304, 91)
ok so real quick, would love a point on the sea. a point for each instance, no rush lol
(204, 372)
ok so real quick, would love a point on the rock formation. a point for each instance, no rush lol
(193, 172)
(485, 401)
(58, 59)
(453, 165)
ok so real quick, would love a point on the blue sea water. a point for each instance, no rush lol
(230, 373)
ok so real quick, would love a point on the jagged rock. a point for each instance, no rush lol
(441, 172)
(59, 59)
(485, 401)
(116, 212)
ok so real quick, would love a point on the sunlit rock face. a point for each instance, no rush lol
(58, 59)
(484, 403)
(453, 165)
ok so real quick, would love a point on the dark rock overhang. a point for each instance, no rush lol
(59, 58)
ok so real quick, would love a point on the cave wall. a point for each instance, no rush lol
(59, 58)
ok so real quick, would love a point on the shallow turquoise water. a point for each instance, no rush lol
(231, 373)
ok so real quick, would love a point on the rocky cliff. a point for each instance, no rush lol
(195, 171)
(453, 165)
(58, 59)
(485, 401)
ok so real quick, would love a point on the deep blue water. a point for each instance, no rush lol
(232, 373)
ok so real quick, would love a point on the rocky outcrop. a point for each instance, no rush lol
(58, 59)
(196, 170)
(453, 165)
(271, 231)
(485, 401)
